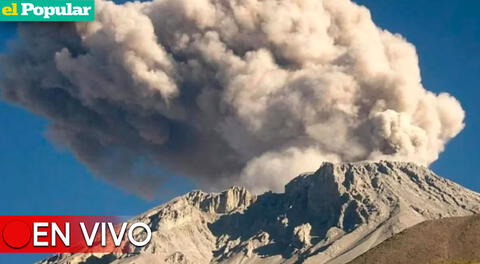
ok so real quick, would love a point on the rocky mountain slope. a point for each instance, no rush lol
(449, 240)
(330, 216)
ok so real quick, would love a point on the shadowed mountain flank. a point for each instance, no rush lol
(443, 241)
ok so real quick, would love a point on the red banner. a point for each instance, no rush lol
(70, 234)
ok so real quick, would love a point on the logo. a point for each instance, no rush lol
(47, 10)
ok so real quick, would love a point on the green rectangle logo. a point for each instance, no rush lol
(47, 10)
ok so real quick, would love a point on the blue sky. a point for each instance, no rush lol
(39, 178)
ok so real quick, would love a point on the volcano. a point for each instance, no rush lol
(332, 215)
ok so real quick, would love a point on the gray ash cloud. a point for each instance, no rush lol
(227, 92)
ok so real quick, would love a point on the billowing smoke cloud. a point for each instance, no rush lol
(247, 92)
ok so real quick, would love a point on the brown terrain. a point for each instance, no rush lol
(453, 240)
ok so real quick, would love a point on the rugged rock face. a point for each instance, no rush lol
(330, 216)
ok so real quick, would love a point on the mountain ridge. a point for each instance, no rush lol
(332, 216)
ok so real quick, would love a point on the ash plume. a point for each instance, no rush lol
(227, 92)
